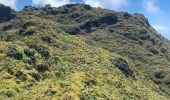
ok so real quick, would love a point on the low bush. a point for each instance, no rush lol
(40, 49)
(29, 31)
(29, 23)
(163, 50)
(88, 96)
(71, 30)
(160, 75)
(21, 76)
(41, 67)
(14, 53)
(9, 93)
(90, 83)
(29, 52)
(154, 51)
(36, 76)
(50, 92)
(123, 66)
(47, 39)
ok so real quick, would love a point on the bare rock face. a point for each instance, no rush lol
(6, 13)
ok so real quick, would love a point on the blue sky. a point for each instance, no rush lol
(157, 11)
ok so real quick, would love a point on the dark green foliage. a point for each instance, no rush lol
(29, 52)
(87, 7)
(154, 51)
(159, 75)
(37, 76)
(42, 68)
(161, 78)
(28, 28)
(163, 50)
(108, 19)
(28, 31)
(14, 53)
(88, 96)
(47, 39)
(40, 49)
(43, 51)
(50, 92)
(7, 27)
(29, 23)
(21, 76)
(71, 30)
(143, 36)
(9, 93)
(123, 66)
(90, 83)
(60, 73)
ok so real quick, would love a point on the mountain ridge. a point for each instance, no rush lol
(83, 36)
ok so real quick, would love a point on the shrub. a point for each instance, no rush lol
(60, 73)
(40, 49)
(14, 53)
(71, 30)
(154, 51)
(47, 39)
(29, 61)
(88, 96)
(50, 92)
(42, 67)
(163, 50)
(21, 76)
(29, 31)
(160, 75)
(7, 27)
(36, 76)
(29, 23)
(29, 52)
(143, 36)
(123, 66)
(43, 51)
(90, 83)
(9, 93)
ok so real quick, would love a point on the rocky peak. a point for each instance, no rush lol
(6, 13)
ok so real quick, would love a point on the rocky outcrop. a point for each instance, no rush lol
(6, 13)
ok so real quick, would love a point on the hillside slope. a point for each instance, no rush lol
(72, 53)
(126, 34)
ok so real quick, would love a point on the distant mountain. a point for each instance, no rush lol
(79, 52)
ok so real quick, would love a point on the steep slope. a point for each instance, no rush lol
(40, 58)
(129, 35)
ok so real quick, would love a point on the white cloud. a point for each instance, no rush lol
(93, 3)
(161, 28)
(11, 3)
(54, 3)
(151, 7)
(109, 4)
(164, 30)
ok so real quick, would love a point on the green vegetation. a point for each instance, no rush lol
(72, 53)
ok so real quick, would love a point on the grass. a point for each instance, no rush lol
(81, 72)
(56, 65)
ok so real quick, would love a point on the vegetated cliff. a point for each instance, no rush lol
(79, 52)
